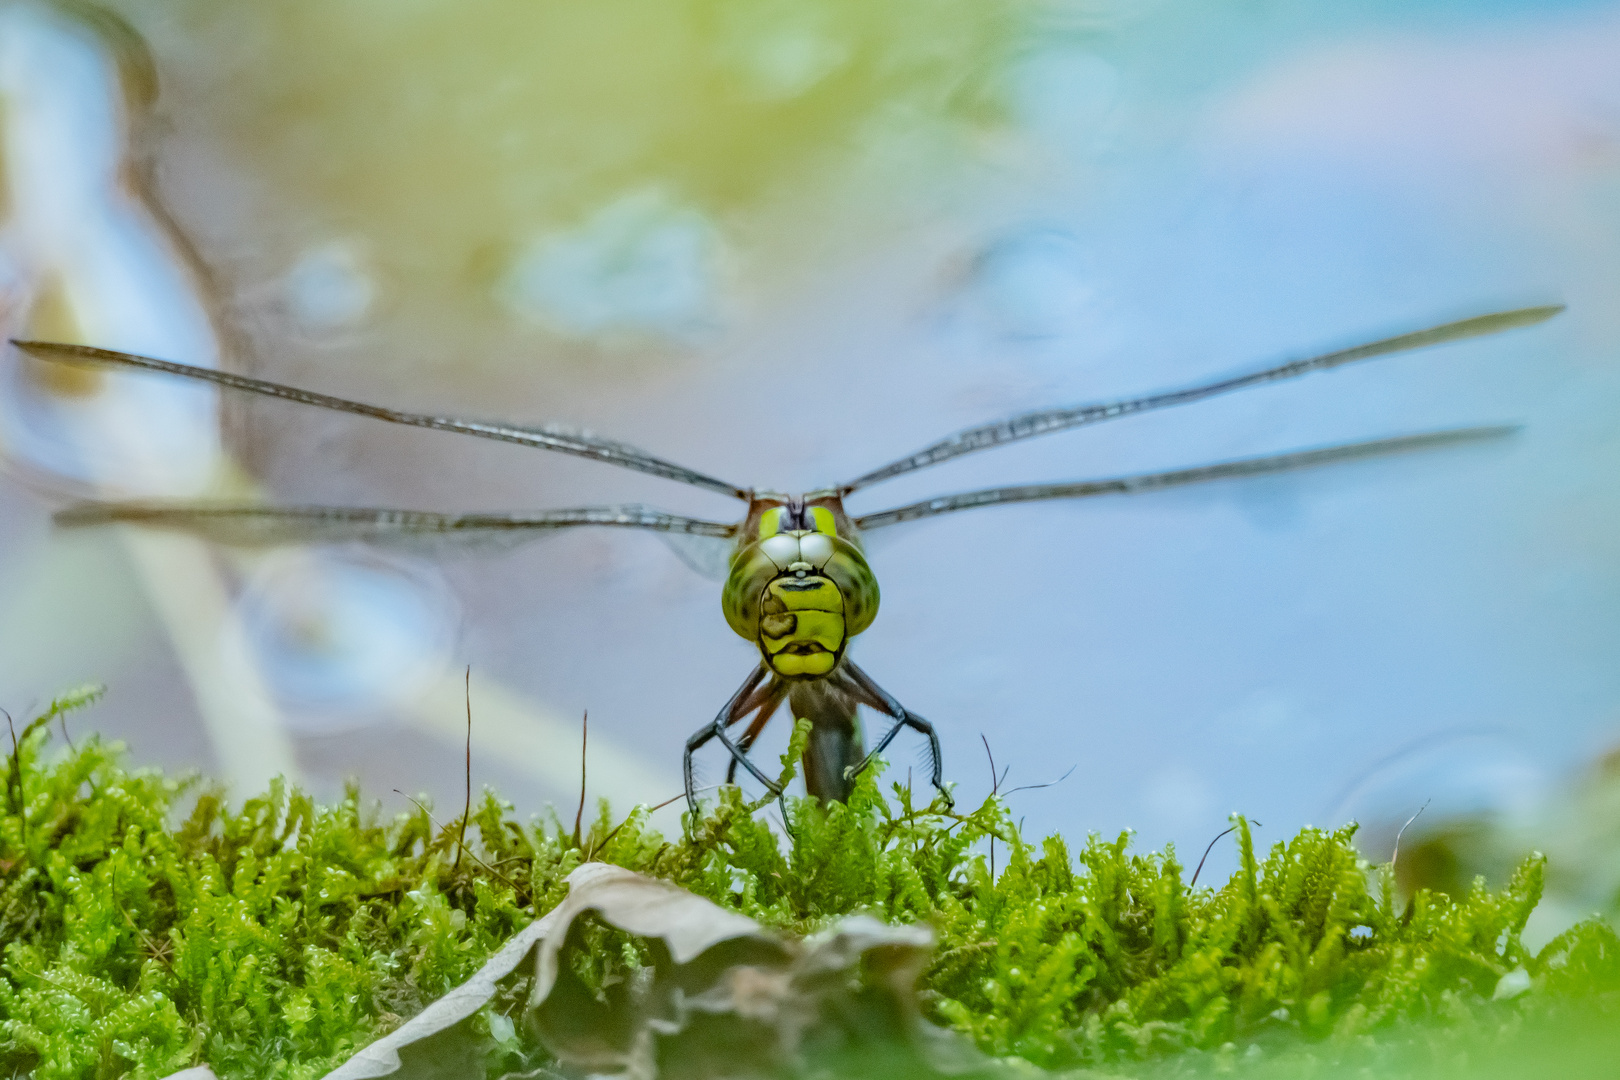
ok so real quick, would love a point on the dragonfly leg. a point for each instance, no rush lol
(873, 695)
(729, 714)
(766, 700)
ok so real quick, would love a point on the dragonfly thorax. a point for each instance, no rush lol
(799, 587)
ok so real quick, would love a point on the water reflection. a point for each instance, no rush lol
(339, 635)
(1031, 285)
(644, 263)
(1476, 776)
(329, 289)
(87, 263)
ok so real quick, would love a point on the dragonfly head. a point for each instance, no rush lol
(799, 587)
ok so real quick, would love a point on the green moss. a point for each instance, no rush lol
(148, 925)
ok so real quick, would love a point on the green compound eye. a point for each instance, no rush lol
(770, 523)
(825, 523)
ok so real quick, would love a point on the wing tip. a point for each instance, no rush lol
(1439, 438)
(1482, 431)
(65, 352)
(86, 513)
(1529, 316)
(1496, 322)
(137, 512)
(33, 345)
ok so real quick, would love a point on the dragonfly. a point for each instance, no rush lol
(797, 584)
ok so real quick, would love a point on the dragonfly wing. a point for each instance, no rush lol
(1031, 424)
(707, 556)
(560, 439)
(267, 526)
(1144, 482)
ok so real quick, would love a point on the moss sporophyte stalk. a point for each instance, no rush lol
(149, 925)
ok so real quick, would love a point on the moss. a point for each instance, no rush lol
(148, 925)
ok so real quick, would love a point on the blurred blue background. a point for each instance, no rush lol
(910, 230)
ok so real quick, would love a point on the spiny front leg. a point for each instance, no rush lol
(766, 699)
(734, 710)
(874, 696)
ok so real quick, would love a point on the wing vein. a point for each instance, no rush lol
(1031, 424)
(585, 446)
(1157, 481)
(249, 525)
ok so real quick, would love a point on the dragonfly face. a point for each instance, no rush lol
(799, 587)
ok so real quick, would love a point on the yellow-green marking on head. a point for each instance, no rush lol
(799, 590)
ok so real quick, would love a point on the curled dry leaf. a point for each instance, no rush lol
(722, 997)
(725, 998)
(433, 1032)
(692, 943)
(687, 924)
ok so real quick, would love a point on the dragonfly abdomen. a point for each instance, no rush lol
(835, 748)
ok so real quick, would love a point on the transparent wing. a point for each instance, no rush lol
(264, 526)
(544, 438)
(1041, 423)
(705, 555)
(1132, 485)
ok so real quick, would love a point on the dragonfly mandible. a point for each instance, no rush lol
(798, 585)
